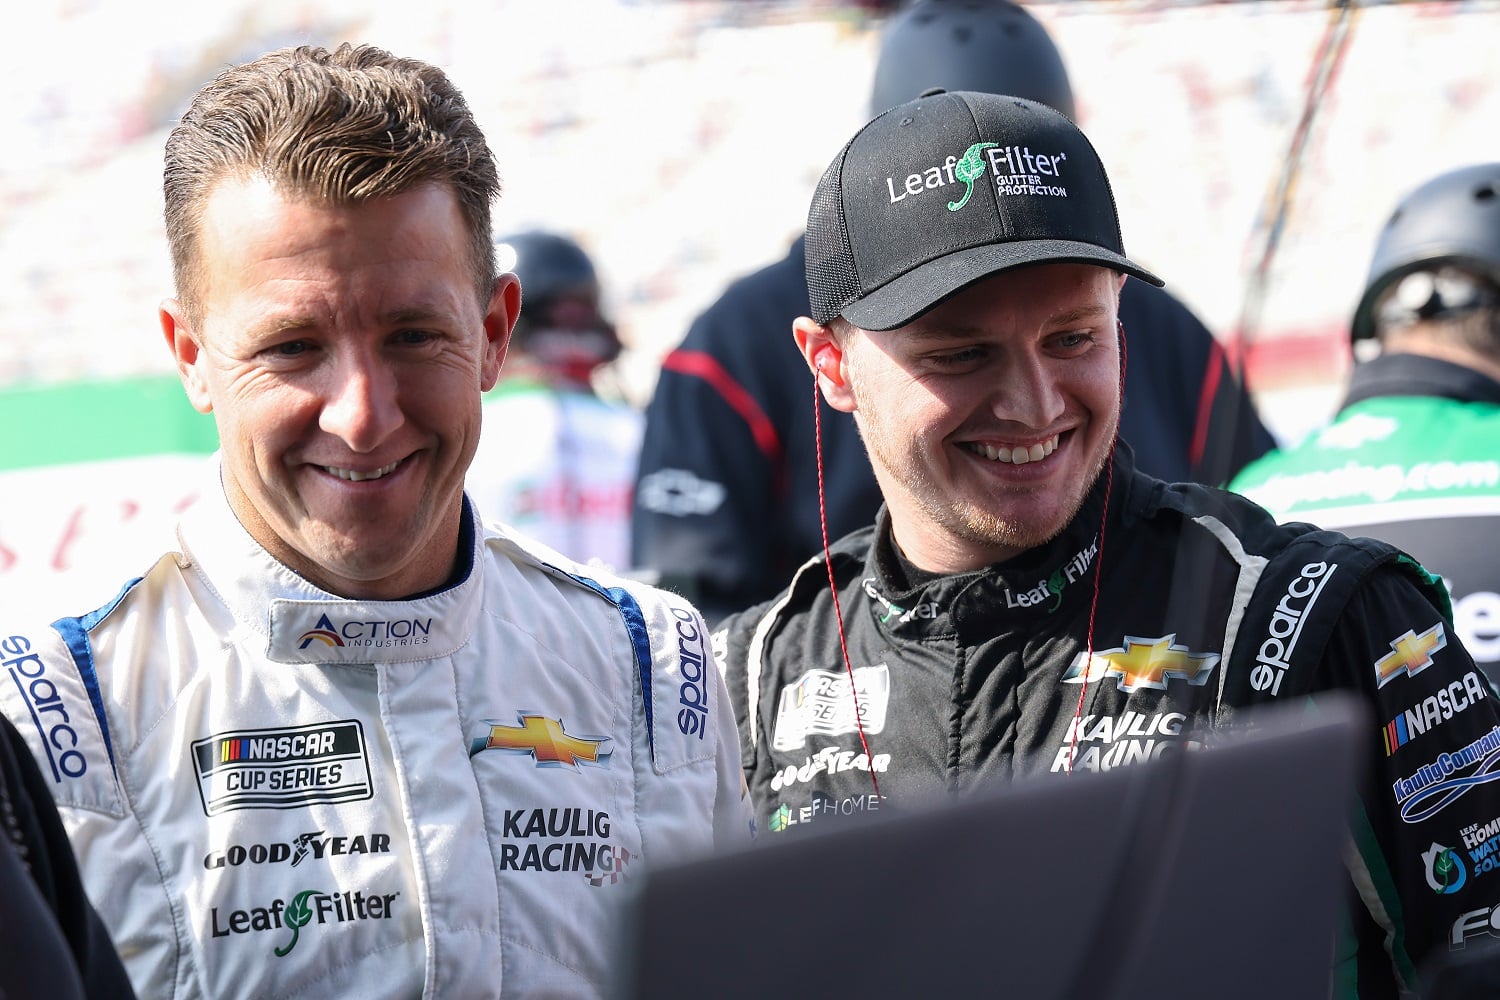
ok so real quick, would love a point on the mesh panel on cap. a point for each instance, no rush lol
(832, 280)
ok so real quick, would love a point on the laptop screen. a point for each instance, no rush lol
(1211, 872)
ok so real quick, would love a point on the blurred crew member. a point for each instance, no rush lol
(1413, 455)
(556, 460)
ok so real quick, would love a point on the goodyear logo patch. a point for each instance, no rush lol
(282, 768)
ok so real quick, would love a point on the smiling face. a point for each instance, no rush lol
(988, 418)
(343, 351)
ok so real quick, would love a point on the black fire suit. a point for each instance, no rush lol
(726, 499)
(1206, 607)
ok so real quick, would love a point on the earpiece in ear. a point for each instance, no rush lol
(827, 361)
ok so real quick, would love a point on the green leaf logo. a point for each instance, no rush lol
(969, 169)
(781, 818)
(298, 913)
(1055, 584)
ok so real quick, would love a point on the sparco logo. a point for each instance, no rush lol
(822, 702)
(1274, 656)
(308, 845)
(301, 910)
(282, 768)
(692, 693)
(49, 713)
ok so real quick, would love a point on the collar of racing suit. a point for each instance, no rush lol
(1417, 375)
(296, 622)
(1038, 584)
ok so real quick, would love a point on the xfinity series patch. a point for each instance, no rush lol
(282, 768)
(822, 702)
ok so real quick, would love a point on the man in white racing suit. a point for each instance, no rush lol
(344, 739)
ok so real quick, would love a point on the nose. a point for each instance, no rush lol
(362, 403)
(1028, 394)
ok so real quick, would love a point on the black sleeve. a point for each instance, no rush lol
(52, 942)
(1188, 417)
(703, 489)
(1426, 839)
(1233, 435)
(731, 646)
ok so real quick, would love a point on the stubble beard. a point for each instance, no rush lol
(965, 520)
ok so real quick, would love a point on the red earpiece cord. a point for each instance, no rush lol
(838, 611)
(1109, 486)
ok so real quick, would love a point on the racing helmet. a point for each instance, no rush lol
(561, 325)
(992, 46)
(1445, 238)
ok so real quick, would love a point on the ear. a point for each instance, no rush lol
(499, 321)
(184, 344)
(825, 359)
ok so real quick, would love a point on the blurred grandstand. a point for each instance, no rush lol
(680, 141)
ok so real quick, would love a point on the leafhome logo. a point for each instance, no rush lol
(301, 910)
(822, 806)
(282, 768)
(545, 740)
(1145, 663)
(1433, 710)
(1016, 169)
(1483, 843)
(1411, 653)
(1445, 869)
(395, 632)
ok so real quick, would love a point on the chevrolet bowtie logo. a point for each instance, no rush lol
(1410, 652)
(544, 739)
(1145, 663)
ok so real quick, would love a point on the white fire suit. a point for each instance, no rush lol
(275, 792)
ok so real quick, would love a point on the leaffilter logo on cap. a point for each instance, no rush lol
(969, 169)
(1015, 170)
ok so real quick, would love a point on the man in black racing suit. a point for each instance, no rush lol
(1029, 603)
(727, 499)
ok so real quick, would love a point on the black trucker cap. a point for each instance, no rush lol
(939, 192)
